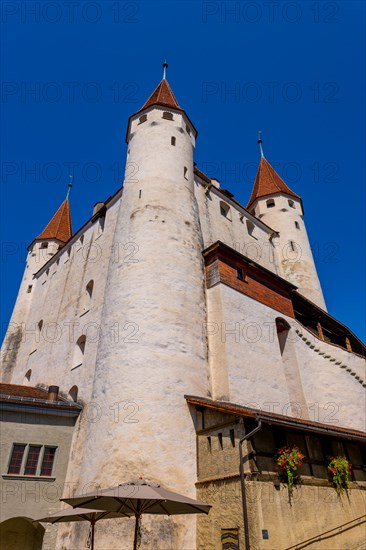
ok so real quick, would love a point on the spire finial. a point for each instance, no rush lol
(69, 187)
(260, 141)
(165, 66)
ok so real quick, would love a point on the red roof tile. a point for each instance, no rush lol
(268, 182)
(23, 391)
(60, 225)
(162, 95)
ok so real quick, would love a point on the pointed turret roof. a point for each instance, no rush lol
(268, 182)
(162, 95)
(59, 227)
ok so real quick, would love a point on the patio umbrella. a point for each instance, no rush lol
(135, 498)
(81, 514)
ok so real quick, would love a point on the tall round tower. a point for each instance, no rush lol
(282, 209)
(152, 352)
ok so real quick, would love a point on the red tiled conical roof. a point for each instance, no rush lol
(268, 182)
(59, 227)
(162, 95)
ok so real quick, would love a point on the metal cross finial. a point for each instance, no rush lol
(260, 141)
(69, 187)
(165, 66)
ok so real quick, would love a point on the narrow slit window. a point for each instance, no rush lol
(185, 172)
(240, 273)
(232, 437)
(219, 436)
(209, 443)
(297, 225)
(29, 289)
(173, 140)
(292, 246)
(140, 193)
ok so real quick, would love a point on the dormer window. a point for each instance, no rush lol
(167, 115)
(270, 203)
(250, 227)
(225, 210)
(143, 118)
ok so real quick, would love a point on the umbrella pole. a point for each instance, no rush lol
(92, 535)
(137, 524)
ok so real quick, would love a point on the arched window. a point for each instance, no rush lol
(225, 210)
(270, 203)
(79, 352)
(89, 289)
(27, 377)
(73, 393)
(39, 330)
(291, 203)
(282, 328)
(87, 297)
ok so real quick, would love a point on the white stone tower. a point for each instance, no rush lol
(56, 233)
(152, 351)
(280, 208)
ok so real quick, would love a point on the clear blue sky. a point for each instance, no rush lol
(295, 70)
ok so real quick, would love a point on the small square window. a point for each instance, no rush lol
(167, 115)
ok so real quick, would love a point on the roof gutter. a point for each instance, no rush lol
(307, 427)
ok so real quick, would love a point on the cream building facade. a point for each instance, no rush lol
(172, 289)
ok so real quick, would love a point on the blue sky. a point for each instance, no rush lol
(295, 70)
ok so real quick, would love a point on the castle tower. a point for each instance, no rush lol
(282, 209)
(56, 233)
(151, 350)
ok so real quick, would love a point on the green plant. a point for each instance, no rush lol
(288, 460)
(339, 471)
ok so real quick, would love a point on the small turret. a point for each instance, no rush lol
(282, 209)
(56, 233)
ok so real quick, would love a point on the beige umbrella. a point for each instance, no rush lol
(135, 498)
(81, 514)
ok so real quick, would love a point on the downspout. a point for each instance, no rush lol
(242, 482)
